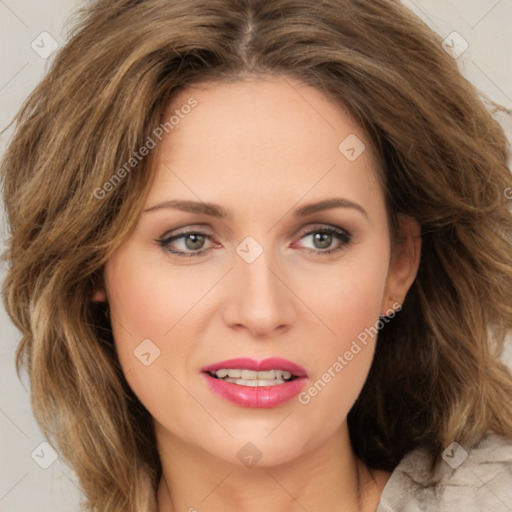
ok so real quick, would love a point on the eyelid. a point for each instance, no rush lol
(322, 226)
(187, 228)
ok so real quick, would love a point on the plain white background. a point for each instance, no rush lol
(25, 486)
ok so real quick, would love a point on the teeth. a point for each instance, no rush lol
(255, 382)
(250, 375)
(272, 374)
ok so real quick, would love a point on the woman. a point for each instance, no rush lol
(260, 257)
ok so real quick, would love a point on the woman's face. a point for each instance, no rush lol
(270, 279)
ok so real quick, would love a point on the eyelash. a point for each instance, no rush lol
(341, 234)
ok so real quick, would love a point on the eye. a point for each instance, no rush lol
(194, 241)
(323, 237)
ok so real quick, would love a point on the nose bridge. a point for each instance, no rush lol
(261, 301)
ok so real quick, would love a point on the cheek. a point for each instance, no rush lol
(146, 310)
(352, 298)
(146, 300)
(143, 309)
(344, 355)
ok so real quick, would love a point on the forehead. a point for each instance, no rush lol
(258, 137)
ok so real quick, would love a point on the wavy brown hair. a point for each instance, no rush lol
(436, 376)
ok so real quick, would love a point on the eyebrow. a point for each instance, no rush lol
(217, 211)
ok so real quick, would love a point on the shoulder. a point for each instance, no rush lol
(473, 480)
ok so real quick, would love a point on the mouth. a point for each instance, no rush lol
(252, 383)
(251, 378)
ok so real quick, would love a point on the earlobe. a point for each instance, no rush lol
(390, 307)
(404, 264)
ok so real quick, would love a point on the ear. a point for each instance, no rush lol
(404, 264)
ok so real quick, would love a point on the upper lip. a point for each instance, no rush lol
(245, 363)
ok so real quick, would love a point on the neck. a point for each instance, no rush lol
(194, 480)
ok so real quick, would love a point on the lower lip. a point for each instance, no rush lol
(263, 397)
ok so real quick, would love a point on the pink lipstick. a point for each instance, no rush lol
(251, 383)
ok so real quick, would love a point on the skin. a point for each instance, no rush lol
(259, 148)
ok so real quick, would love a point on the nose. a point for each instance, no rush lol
(258, 298)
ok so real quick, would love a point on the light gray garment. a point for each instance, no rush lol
(481, 483)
